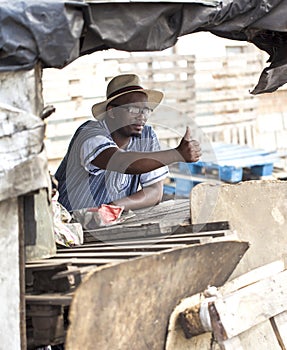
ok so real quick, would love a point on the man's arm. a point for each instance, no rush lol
(146, 197)
(115, 159)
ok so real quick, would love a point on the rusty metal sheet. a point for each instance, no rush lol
(127, 305)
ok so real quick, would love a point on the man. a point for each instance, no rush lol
(117, 159)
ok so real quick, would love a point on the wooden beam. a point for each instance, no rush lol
(279, 324)
(251, 305)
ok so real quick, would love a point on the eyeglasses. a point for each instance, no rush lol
(146, 111)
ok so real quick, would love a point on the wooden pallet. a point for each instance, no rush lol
(229, 162)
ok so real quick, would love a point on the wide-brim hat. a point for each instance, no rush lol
(121, 85)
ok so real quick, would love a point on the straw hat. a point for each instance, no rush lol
(121, 85)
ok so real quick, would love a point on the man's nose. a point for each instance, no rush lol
(141, 116)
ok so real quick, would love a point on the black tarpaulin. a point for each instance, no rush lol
(33, 30)
(57, 32)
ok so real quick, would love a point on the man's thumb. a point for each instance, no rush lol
(187, 135)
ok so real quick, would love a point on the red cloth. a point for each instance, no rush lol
(108, 213)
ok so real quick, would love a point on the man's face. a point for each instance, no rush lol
(130, 113)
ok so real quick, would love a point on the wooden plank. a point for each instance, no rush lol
(40, 266)
(158, 240)
(279, 323)
(260, 337)
(162, 58)
(121, 248)
(204, 227)
(266, 298)
(253, 276)
(121, 231)
(225, 104)
(232, 344)
(171, 238)
(49, 299)
(153, 221)
(232, 118)
(119, 294)
(89, 255)
(80, 261)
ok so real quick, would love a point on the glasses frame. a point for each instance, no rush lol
(141, 110)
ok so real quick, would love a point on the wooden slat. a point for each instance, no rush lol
(171, 236)
(162, 58)
(49, 299)
(260, 337)
(266, 298)
(253, 276)
(80, 262)
(232, 344)
(121, 248)
(280, 322)
(191, 238)
(106, 255)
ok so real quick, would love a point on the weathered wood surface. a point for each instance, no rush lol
(53, 282)
(168, 218)
(127, 305)
(279, 324)
(146, 222)
(253, 304)
(248, 312)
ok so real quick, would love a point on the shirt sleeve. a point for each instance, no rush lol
(91, 148)
(154, 176)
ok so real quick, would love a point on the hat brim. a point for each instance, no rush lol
(154, 97)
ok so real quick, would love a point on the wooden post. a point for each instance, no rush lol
(22, 90)
(10, 293)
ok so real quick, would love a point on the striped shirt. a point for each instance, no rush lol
(83, 185)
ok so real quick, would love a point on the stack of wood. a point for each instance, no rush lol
(129, 276)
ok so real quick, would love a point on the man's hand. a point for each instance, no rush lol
(189, 149)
